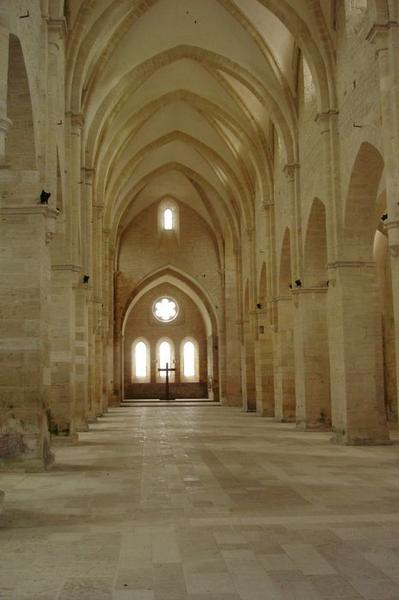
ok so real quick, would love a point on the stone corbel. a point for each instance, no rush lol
(77, 122)
(323, 119)
(266, 205)
(56, 31)
(290, 170)
(250, 233)
(88, 175)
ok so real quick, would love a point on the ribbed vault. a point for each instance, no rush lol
(172, 98)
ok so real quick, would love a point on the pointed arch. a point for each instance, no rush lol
(360, 209)
(20, 143)
(315, 263)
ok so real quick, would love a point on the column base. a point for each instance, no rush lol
(318, 426)
(341, 437)
(265, 413)
(25, 452)
(64, 440)
(81, 424)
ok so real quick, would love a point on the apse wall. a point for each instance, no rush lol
(142, 324)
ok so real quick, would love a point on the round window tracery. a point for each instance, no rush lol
(165, 309)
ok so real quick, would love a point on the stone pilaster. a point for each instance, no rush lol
(312, 367)
(98, 242)
(233, 336)
(82, 293)
(284, 361)
(393, 237)
(357, 401)
(264, 365)
(65, 417)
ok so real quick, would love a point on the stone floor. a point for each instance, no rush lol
(203, 503)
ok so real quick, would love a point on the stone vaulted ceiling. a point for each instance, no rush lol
(181, 98)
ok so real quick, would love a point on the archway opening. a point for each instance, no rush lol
(176, 339)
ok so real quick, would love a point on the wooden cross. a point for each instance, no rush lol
(167, 370)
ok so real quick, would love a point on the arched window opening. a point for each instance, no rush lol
(165, 357)
(168, 216)
(168, 219)
(165, 354)
(140, 361)
(189, 360)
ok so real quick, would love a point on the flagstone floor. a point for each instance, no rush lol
(203, 503)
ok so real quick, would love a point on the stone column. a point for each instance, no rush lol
(385, 37)
(357, 401)
(26, 228)
(312, 366)
(284, 368)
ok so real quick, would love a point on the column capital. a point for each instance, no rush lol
(290, 170)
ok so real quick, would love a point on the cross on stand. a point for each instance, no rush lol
(167, 370)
